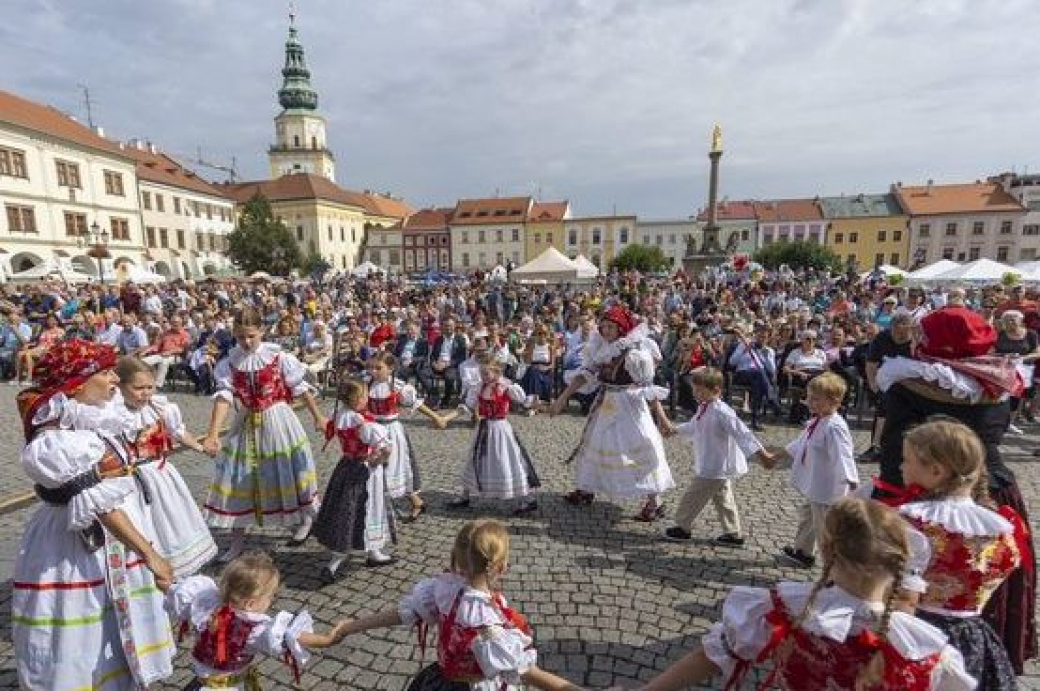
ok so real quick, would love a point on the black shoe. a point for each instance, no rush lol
(296, 542)
(677, 534)
(870, 455)
(524, 509)
(792, 557)
(328, 576)
(460, 503)
(376, 563)
(729, 540)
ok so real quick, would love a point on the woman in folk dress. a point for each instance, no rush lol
(621, 452)
(265, 472)
(86, 606)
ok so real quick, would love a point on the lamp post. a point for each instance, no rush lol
(277, 254)
(97, 240)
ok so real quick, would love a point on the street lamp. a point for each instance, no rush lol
(97, 239)
(277, 254)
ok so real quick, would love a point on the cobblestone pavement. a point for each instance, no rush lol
(609, 602)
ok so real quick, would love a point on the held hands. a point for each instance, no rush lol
(768, 459)
(557, 406)
(160, 568)
(320, 422)
(211, 444)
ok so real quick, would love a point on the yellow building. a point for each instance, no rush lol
(599, 238)
(867, 229)
(545, 227)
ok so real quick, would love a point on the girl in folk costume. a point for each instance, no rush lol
(386, 396)
(954, 373)
(973, 549)
(482, 644)
(621, 452)
(265, 471)
(155, 424)
(842, 632)
(356, 512)
(232, 627)
(499, 466)
(86, 606)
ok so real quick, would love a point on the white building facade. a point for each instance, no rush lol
(670, 236)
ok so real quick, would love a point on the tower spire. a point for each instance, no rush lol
(296, 92)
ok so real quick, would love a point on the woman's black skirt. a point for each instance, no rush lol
(984, 654)
(431, 679)
(340, 525)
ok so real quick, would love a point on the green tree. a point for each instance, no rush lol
(798, 255)
(641, 258)
(261, 242)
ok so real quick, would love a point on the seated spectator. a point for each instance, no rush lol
(132, 340)
(287, 335)
(78, 328)
(30, 354)
(540, 358)
(169, 350)
(318, 349)
(382, 330)
(448, 352)
(411, 349)
(15, 334)
(754, 365)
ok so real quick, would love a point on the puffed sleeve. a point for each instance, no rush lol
(409, 396)
(374, 434)
(920, 556)
(421, 603)
(282, 633)
(222, 376)
(950, 674)
(193, 601)
(59, 456)
(473, 397)
(640, 366)
(743, 631)
(503, 653)
(294, 373)
(517, 394)
(174, 420)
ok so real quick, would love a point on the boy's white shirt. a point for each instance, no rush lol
(823, 466)
(721, 442)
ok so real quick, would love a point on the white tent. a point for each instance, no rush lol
(932, 271)
(1029, 271)
(498, 274)
(586, 269)
(50, 271)
(886, 269)
(366, 268)
(978, 271)
(550, 266)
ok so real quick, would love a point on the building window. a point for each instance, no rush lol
(853, 238)
(342, 234)
(745, 235)
(973, 253)
(767, 239)
(893, 259)
(879, 259)
(180, 239)
(537, 238)
(1027, 254)
(353, 235)
(12, 163)
(164, 237)
(1002, 254)
(1031, 229)
(1005, 227)
(480, 236)
(882, 236)
(850, 260)
(200, 242)
(596, 236)
(516, 235)
(299, 233)
(296, 141)
(499, 235)
(623, 236)
(658, 240)
(465, 260)
(897, 236)
(146, 201)
(149, 236)
(21, 219)
(947, 253)
(119, 228)
(499, 258)
(951, 229)
(671, 239)
(395, 257)
(114, 184)
(160, 205)
(572, 237)
(177, 207)
(548, 238)
(213, 244)
(839, 238)
(924, 230)
(68, 174)
(75, 224)
(209, 212)
(978, 228)
(329, 233)
(481, 260)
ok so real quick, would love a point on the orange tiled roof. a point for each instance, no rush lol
(491, 211)
(782, 210)
(979, 197)
(160, 168)
(545, 212)
(732, 211)
(300, 186)
(51, 121)
(429, 219)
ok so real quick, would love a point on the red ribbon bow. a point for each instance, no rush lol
(896, 495)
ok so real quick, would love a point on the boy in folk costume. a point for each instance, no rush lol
(721, 443)
(621, 451)
(823, 465)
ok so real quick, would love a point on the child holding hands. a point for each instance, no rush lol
(721, 443)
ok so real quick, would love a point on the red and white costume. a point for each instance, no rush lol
(499, 466)
(385, 401)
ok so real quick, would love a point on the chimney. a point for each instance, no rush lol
(928, 189)
(99, 131)
(152, 149)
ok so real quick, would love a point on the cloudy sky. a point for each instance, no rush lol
(608, 103)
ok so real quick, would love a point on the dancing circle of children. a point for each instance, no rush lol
(482, 644)
(232, 627)
(386, 396)
(265, 471)
(973, 548)
(721, 443)
(823, 465)
(845, 631)
(153, 425)
(356, 511)
(499, 466)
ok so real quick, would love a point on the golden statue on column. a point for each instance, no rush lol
(716, 138)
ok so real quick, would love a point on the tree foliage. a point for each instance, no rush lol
(261, 242)
(641, 258)
(798, 255)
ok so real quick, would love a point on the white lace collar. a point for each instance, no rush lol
(264, 355)
(68, 413)
(602, 352)
(959, 515)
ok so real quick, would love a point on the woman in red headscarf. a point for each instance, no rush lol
(86, 606)
(621, 452)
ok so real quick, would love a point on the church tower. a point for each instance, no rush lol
(300, 145)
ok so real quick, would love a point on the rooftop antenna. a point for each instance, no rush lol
(86, 101)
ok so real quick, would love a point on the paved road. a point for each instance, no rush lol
(610, 603)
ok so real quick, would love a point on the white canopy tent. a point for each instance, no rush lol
(498, 274)
(978, 271)
(550, 266)
(131, 273)
(586, 269)
(886, 269)
(50, 271)
(366, 268)
(1029, 271)
(932, 271)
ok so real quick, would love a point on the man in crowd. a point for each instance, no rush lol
(169, 350)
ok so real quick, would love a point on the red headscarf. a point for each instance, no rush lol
(622, 317)
(63, 369)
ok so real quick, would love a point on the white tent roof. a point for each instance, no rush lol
(586, 269)
(550, 265)
(980, 270)
(367, 267)
(886, 269)
(933, 270)
(50, 271)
